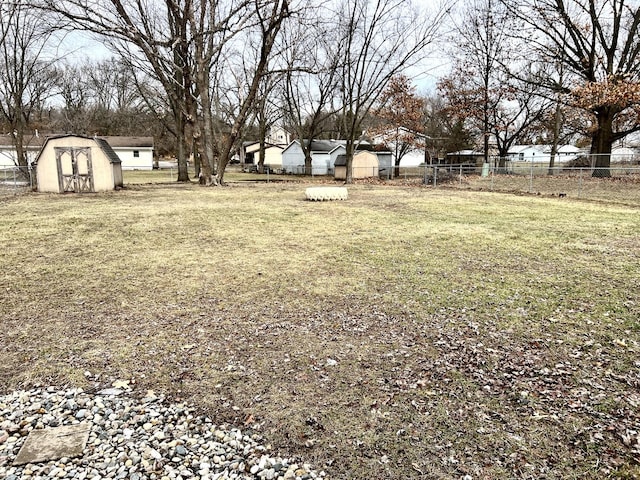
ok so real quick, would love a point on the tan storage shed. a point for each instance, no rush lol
(364, 165)
(73, 163)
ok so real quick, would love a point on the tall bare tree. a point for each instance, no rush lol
(152, 35)
(380, 39)
(270, 15)
(27, 77)
(598, 43)
(311, 63)
(478, 82)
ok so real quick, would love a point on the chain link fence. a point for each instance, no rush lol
(15, 180)
(620, 182)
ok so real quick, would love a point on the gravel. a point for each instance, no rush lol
(136, 439)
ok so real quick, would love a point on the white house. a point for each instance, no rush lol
(8, 154)
(542, 153)
(277, 135)
(135, 153)
(272, 155)
(625, 155)
(414, 155)
(323, 157)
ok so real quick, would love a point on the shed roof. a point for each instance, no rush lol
(100, 142)
(108, 151)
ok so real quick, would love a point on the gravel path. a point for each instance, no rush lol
(135, 439)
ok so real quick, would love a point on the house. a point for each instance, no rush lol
(542, 153)
(272, 155)
(527, 153)
(277, 135)
(73, 163)
(365, 164)
(625, 155)
(410, 145)
(135, 153)
(323, 157)
(8, 154)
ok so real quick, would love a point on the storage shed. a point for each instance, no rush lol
(72, 163)
(364, 165)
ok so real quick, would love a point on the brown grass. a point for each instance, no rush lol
(407, 332)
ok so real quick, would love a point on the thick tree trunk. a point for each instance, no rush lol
(183, 171)
(601, 143)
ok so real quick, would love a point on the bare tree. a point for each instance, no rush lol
(27, 78)
(270, 16)
(478, 83)
(598, 43)
(380, 39)
(311, 62)
(153, 36)
(100, 97)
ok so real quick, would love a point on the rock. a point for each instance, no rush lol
(131, 439)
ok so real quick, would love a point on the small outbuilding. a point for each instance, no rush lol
(73, 163)
(364, 165)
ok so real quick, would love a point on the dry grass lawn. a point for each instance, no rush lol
(404, 333)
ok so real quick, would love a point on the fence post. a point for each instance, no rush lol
(435, 176)
(492, 173)
(531, 178)
(461, 175)
(580, 184)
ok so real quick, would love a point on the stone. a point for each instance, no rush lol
(54, 443)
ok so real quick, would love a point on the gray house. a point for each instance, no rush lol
(323, 157)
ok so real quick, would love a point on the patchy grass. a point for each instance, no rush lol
(405, 332)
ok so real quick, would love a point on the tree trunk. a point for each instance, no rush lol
(601, 143)
(349, 162)
(308, 161)
(183, 172)
(21, 154)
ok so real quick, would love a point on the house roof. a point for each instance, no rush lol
(100, 142)
(31, 141)
(324, 145)
(327, 146)
(36, 142)
(254, 147)
(521, 148)
(128, 142)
